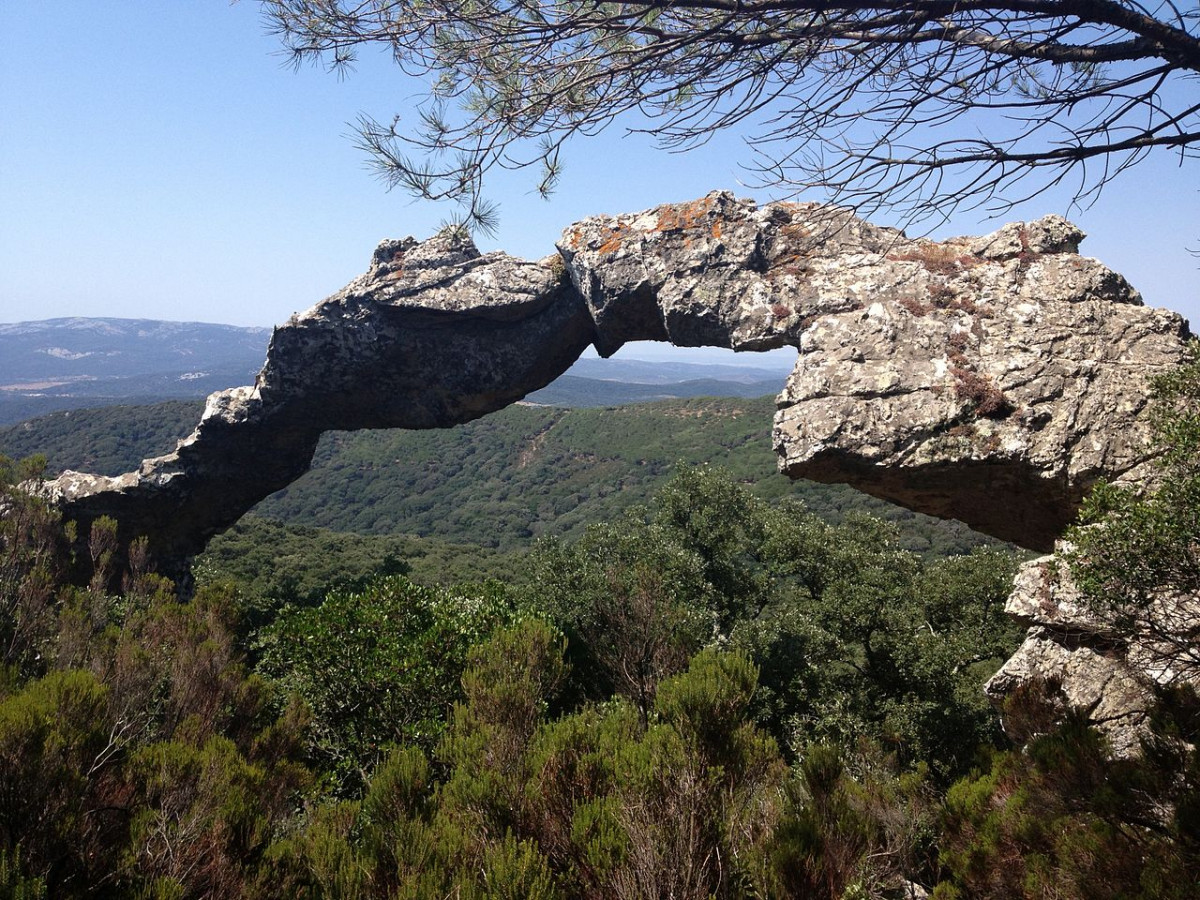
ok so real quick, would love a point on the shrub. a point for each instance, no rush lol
(378, 667)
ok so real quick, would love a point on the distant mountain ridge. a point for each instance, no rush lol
(80, 362)
(75, 350)
(72, 363)
(571, 390)
(637, 371)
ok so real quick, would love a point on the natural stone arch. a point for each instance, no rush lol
(991, 380)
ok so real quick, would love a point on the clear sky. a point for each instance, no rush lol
(159, 160)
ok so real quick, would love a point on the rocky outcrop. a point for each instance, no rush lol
(1077, 657)
(989, 379)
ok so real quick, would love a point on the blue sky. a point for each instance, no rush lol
(159, 160)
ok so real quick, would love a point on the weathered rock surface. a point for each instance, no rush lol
(989, 379)
(1075, 658)
(432, 335)
(995, 390)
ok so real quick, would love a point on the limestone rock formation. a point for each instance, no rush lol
(432, 335)
(1073, 657)
(989, 379)
(989, 385)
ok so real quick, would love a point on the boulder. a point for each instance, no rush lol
(1077, 657)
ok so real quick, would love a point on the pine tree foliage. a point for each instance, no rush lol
(923, 106)
(1138, 562)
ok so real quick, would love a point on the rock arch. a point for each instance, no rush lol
(988, 379)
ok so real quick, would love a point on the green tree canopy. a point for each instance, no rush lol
(853, 635)
(379, 666)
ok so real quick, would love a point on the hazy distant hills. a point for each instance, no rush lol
(610, 382)
(60, 364)
(571, 390)
(78, 349)
(662, 373)
(78, 362)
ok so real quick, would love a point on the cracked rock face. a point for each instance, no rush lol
(977, 383)
(991, 379)
(988, 379)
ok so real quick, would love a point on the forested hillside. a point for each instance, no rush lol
(712, 695)
(719, 698)
(107, 440)
(499, 482)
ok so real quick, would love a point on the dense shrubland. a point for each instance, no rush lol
(138, 752)
(716, 695)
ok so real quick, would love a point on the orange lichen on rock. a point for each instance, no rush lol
(686, 216)
(616, 238)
